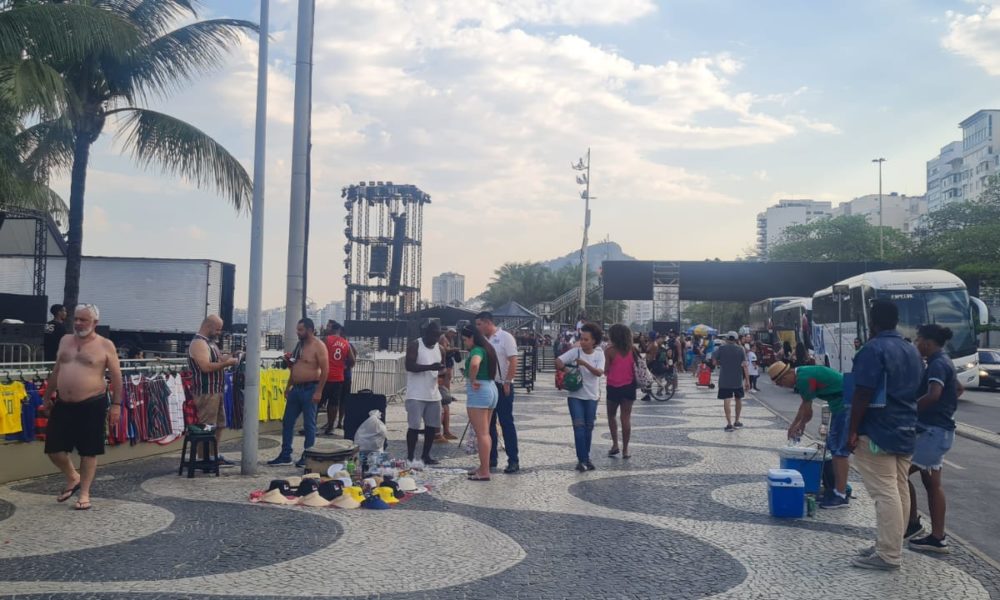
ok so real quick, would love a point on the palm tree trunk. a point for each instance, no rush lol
(74, 243)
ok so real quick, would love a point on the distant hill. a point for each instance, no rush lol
(595, 254)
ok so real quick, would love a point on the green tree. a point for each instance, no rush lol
(964, 237)
(848, 239)
(527, 283)
(113, 86)
(32, 33)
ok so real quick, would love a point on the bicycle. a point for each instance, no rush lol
(664, 386)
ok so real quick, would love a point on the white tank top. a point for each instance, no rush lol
(423, 386)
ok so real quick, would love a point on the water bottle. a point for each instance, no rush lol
(811, 506)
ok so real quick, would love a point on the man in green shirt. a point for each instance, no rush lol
(823, 383)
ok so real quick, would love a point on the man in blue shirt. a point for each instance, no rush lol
(887, 373)
(938, 399)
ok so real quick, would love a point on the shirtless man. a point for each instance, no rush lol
(77, 398)
(310, 366)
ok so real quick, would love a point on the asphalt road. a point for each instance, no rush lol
(972, 470)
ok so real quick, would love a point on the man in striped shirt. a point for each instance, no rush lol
(207, 366)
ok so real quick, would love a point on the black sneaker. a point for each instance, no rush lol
(929, 543)
(430, 461)
(730, 429)
(590, 466)
(646, 398)
(223, 463)
(301, 463)
(581, 467)
(913, 529)
(280, 461)
(738, 424)
(512, 467)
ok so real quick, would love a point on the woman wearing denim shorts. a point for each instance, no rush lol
(481, 394)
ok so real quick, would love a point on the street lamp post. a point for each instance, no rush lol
(881, 246)
(584, 179)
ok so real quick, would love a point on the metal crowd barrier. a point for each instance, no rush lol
(16, 353)
(380, 375)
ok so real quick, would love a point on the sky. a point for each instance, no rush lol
(699, 114)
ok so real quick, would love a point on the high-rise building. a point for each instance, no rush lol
(899, 211)
(771, 223)
(960, 171)
(447, 288)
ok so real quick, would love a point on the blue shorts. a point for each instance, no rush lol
(931, 446)
(485, 397)
(836, 436)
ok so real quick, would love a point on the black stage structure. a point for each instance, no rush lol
(667, 283)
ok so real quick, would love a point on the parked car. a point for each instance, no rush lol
(989, 368)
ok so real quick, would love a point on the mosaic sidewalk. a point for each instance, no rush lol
(685, 517)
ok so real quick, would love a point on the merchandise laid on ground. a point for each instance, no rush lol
(695, 512)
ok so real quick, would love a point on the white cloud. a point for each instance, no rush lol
(976, 36)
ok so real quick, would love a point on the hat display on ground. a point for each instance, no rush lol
(345, 501)
(334, 469)
(275, 497)
(311, 476)
(777, 369)
(314, 500)
(354, 492)
(374, 503)
(331, 489)
(389, 483)
(308, 486)
(386, 494)
(346, 481)
(294, 481)
(341, 473)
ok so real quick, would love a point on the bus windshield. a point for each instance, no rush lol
(949, 308)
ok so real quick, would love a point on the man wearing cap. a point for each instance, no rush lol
(824, 383)
(734, 379)
(506, 348)
(887, 374)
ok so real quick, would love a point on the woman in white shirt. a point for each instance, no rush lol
(752, 368)
(583, 402)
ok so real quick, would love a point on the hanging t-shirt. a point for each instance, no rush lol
(11, 396)
(590, 390)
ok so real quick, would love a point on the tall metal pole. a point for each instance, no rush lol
(251, 385)
(586, 226)
(295, 287)
(881, 246)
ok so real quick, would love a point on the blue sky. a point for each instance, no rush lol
(700, 115)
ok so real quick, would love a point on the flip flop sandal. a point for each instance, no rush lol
(81, 505)
(626, 456)
(477, 478)
(67, 493)
(614, 452)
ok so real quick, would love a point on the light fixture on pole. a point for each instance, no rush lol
(840, 291)
(881, 246)
(584, 180)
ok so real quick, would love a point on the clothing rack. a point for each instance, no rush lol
(42, 370)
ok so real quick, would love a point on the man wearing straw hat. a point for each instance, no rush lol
(823, 383)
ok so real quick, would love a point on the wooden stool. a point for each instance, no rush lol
(198, 443)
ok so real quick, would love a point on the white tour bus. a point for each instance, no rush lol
(922, 295)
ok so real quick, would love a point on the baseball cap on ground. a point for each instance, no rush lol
(314, 500)
(308, 486)
(275, 497)
(282, 486)
(345, 501)
(777, 369)
(331, 489)
(387, 495)
(374, 503)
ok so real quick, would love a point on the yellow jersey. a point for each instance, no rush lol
(11, 396)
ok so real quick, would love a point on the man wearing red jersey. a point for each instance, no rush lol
(341, 358)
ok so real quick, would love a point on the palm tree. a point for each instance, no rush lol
(110, 86)
(31, 33)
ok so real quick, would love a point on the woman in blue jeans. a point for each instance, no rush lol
(583, 402)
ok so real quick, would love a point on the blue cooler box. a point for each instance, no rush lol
(806, 460)
(786, 493)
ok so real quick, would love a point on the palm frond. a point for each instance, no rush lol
(175, 58)
(152, 17)
(68, 31)
(32, 86)
(182, 149)
(18, 192)
(44, 148)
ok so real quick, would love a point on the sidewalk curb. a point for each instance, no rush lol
(983, 436)
(994, 440)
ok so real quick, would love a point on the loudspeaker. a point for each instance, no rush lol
(378, 264)
(398, 240)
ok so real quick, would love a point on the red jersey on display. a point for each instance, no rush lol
(338, 351)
